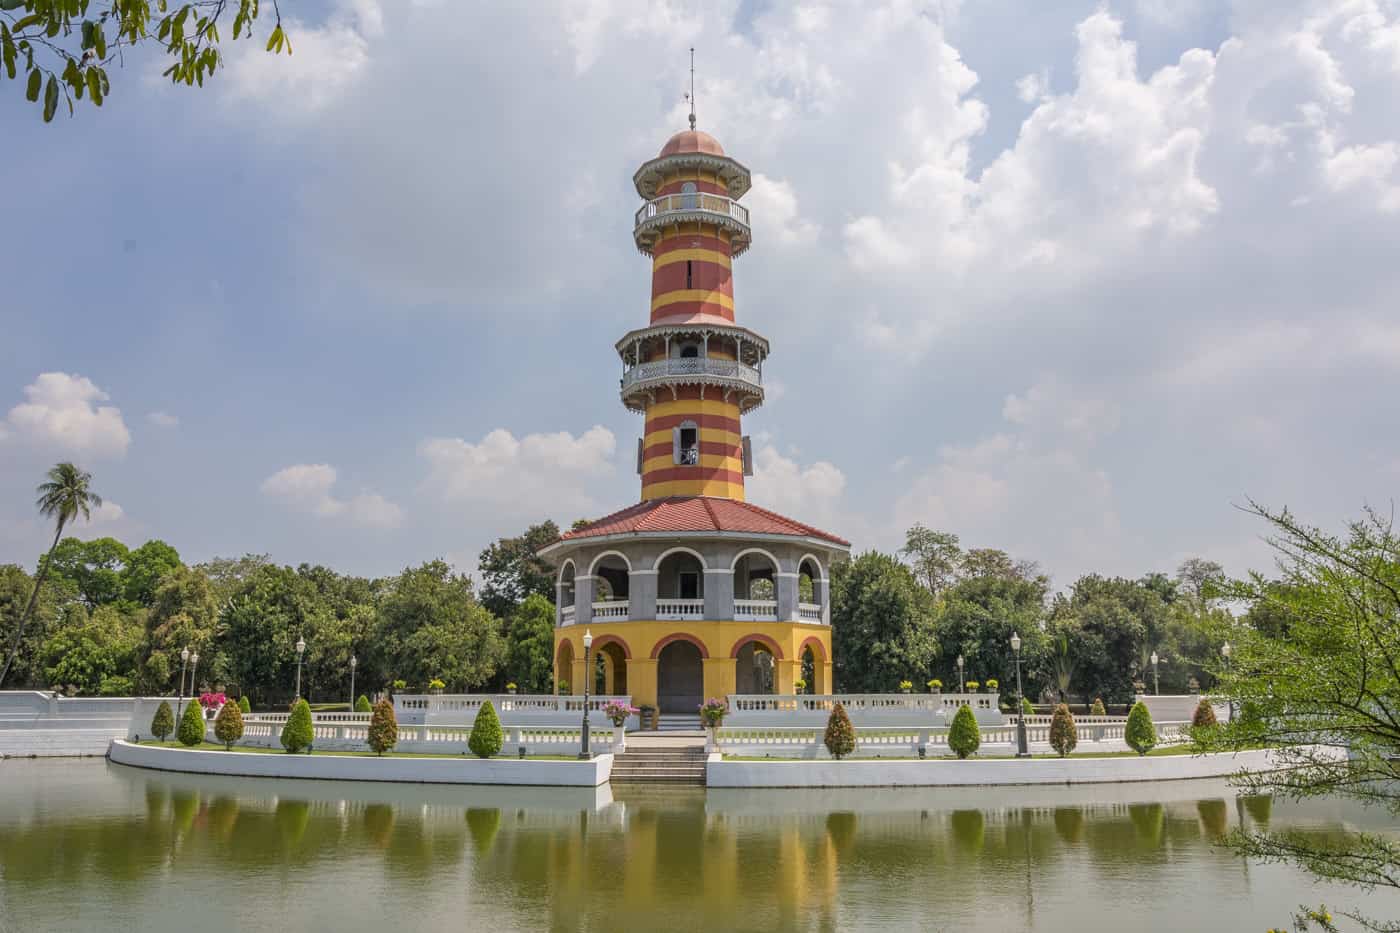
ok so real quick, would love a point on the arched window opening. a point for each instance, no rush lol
(754, 669)
(686, 444)
(809, 671)
(688, 198)
(688, 271)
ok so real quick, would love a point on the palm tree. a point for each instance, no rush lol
(63, 498)
(1061, 663)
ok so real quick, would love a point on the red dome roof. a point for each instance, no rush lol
(691, 141)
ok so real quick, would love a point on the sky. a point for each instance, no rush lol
(1074, 280)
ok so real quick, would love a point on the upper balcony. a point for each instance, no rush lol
(728, 375)
(670, 209)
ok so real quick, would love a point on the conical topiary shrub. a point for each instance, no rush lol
(243, 705)
(840, 734)
(1097, 709)
(228, 725)
(486, 738)
(1204, 717)
(1027, 708)
(297, 734)
(1140, 735)
(362, 704)
(964, 737)
(191, 731)
(163, 723)
(383, 728)
(1063, 735)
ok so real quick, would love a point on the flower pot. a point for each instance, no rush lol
(619, 739)
(711, 743)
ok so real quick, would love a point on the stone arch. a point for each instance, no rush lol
(593, 566)
(680, 636)
(815, 643)
(602, 640)
(766, 641)
(564, 665)
(734, 564)
(559, 579)
(656, 564)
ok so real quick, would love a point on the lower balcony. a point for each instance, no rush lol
(809, 612)
(673, 609)
(615, 609)
(566, 615)
(756, 610)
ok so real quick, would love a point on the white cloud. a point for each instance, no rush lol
(308, 487)
(163, 419)
(811, 493)
(773, 205)
(539, 473)
(108, 511)
(1051, 406)
(61, 412)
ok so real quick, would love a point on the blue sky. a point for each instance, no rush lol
(1068, 279)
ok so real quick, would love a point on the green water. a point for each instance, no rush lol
(85, 845)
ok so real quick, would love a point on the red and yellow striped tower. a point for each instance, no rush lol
(693, 371)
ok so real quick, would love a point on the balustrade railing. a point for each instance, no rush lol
(809, 612)
(689, 203)
(671, 609)
(610, 609)
(692, 366)
(567, 614)
(807, 741)
(756, 610)
(266, 732)
(512, 708)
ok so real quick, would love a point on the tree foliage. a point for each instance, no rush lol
(964, 738)
(934, 556)
(89, 650)
(144, 568)
(530, 645)
(191, 731)
(486, 738)
(882, 624)
(1204, 716)
(63, 49)
(163, 722)
(298, 732)
(1064, 736)
(228, 724)
(840, 738)
(511, 569)
(243, 705)
(1140, 734)
(383, 727)
(362, 705)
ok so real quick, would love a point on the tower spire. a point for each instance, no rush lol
(691, 95)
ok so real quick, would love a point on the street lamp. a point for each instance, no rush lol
(1022, 747)
(584, 752)
(301, 650)
(1156, 685)
(354, 661)
(1225, 652)
(180, 703)
(194, 664)
(962, 686)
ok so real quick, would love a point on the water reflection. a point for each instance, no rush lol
(137, 850)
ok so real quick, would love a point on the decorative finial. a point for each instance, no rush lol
(691, 96)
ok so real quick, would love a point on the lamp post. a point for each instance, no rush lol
(1225, 652)
(1156, 685)
(354, 661)
(194, 665)
(301, 650)
(962, 685)
(180, 703)
(1022, 746)
(584, 752)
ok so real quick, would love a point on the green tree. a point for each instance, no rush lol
(228, 725)
(56, 601)
(383, 727)
(486, 738)
(298, 733)
(191, 730)
(64, 49)
(362, 705)
(1323, 691)
(1061, 658)
(183, 614)
(144, 569)
(1098, 709)
(530, 645)
(163, 722)
(430, 625)
(1140, 734)
(258, 628)
(243, 705)
(979, 615)
(66, 494)
(840, 737)
(964, 737)
(1112, 624)
(1063, 734)
(934, 556)
(92, 649)
(882, 624)
(1204, 716)
(511, 569)
(1202, 581)
(95, 569)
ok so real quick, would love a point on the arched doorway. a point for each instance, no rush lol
(614, 661)
(564, 668)
(754, 671)
(680, 678)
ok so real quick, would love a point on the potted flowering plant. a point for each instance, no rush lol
(972, 686)
(906, 686)
(435, 686)
(212, 703)
(992, 685)
(799, 685)
(935, 686)
(510, 687)
(618, 713)
(712, 713)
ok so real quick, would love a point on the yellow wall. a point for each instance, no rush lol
(718, 637)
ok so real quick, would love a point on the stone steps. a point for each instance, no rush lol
(660, 765)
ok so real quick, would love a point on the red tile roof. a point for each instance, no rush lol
(682, 514)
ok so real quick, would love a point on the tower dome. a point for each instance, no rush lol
(691, 141)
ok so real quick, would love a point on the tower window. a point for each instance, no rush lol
(688, 199)
(686, 444)
(687, 273)
(689, 351)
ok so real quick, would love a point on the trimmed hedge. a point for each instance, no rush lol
(362, 705)
(1027, 708)
(297, 734)
(163, 723)
(243, 705)
(383, 728)
(191, 731)
(840, 736)
(1063, 734)
(486, 738)
(964, 737)
(1140, 735)
(228, 725)
(1097, 709)
(1204, 716)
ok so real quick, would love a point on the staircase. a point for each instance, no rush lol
(679, 722)
(660, 764)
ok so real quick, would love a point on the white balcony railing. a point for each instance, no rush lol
(693, 203)
(756, 610)
(566, 615)
(610, 609)
(809, 612)
(730, 371)
(680, 609)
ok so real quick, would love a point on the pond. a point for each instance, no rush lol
(89, 845)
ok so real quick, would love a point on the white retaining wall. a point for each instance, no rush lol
(43, 724)
(590, 773)
(866, 710)
(1181, 706)
(974, 771)
(516, 709)
(339, 732)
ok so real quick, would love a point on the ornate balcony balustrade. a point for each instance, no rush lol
(809, 612)
(756, 610)
(566, 614)
(678, 208)
(670, 609)
(727, 373)
(611, 609)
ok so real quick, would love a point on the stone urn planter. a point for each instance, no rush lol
(711, 742)
(619, 739)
